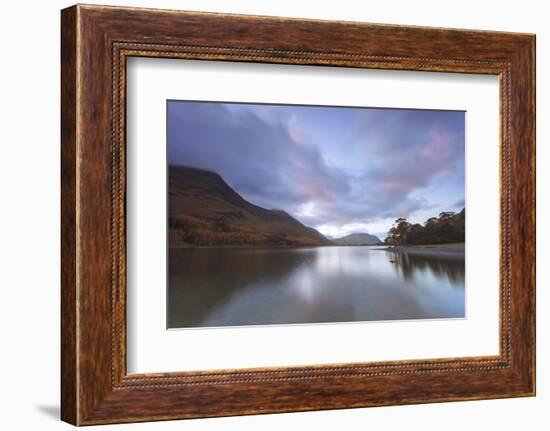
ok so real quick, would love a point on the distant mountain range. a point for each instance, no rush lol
(358, 239)
(204, 211)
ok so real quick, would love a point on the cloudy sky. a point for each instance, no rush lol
(340, 170)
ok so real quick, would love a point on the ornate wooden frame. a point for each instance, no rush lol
(95, 42)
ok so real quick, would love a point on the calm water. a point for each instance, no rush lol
(251, 286)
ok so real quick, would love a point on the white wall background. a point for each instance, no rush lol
(29, 215)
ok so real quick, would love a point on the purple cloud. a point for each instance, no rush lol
(325, 165)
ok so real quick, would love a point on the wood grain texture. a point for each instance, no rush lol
(96, 41)
(69, 397)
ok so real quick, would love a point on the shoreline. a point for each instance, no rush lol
(277, 246)
(442, 250)
(438, 250)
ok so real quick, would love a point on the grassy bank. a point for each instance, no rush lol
(452, 250)
(452, 245)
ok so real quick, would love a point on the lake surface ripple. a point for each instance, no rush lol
(211, 287)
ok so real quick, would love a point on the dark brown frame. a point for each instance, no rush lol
(95, 42)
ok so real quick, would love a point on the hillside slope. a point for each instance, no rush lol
(358, 239)
(204, 210)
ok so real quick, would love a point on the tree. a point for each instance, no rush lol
(399, 232)
(446, 228)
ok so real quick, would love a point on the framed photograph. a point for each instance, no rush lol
(264, 214)
(325, 176)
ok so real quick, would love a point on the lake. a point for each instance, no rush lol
(212, 287)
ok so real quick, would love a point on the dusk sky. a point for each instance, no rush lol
(339, 170)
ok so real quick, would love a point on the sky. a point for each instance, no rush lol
(340, 170)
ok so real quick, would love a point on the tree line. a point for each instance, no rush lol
(449, 227)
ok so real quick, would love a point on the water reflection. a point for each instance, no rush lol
(448, 265)
(251, 286)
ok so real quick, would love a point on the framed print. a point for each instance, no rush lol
(291, 258)
(268, 215)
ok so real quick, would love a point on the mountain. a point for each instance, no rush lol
(204, 210)
(358, 239)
